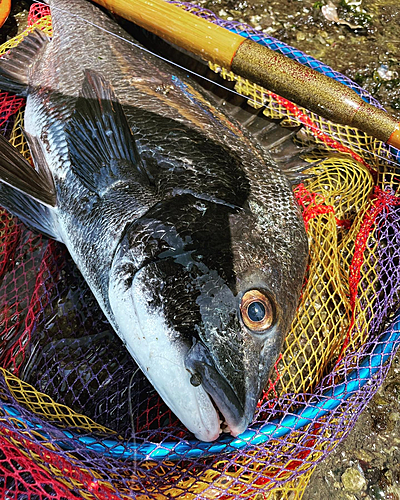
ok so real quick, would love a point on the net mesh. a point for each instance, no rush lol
(78, 420)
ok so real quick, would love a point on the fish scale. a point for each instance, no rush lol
(174, 216)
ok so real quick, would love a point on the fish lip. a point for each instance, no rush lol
(237, 416)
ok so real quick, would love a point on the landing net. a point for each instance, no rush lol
(77, 420)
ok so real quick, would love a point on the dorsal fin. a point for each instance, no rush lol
(102, 148)
(16, 63)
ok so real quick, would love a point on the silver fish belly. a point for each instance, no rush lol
(186, 231)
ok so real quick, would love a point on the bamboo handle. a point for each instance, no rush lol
(290, 79)
(177, 26)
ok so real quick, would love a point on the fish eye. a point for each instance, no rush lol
(256, 311)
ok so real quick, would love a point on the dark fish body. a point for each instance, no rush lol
(178, 222)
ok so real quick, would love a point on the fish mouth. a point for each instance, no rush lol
(237, 414)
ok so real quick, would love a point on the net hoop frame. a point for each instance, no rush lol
(256, 435)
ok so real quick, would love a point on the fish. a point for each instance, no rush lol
(183, 226)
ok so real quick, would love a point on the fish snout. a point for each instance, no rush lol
(236, 404)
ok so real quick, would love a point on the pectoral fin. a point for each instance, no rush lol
(26, 192)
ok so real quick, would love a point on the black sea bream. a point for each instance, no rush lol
(187, 233)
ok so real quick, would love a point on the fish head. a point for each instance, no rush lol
(203, 300)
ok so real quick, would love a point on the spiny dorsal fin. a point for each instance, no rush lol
(102, 148)
(25, 192)
(16, 63)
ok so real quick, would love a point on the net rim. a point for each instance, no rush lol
(255, 435)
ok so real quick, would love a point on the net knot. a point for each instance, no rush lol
(383, 198)
(313, 205)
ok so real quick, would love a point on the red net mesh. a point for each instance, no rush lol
(36, 12)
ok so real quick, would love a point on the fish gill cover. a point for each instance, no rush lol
(77, 420)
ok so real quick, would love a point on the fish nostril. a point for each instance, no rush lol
(195, 379)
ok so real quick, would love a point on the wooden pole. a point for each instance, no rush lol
(302, 85)
(205, 39)
(5, 7)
